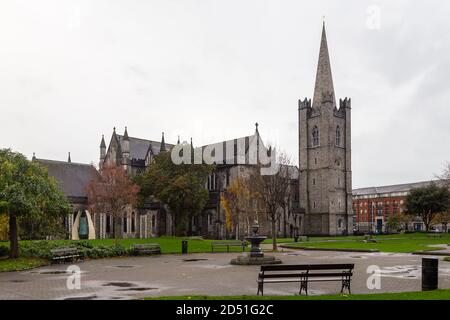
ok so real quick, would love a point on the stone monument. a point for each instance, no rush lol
(256, 255)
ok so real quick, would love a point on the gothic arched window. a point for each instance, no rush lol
(315, 136)
(338, 136)
(133, 222)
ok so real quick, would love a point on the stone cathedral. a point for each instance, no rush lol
(325, 176)
(319, 196)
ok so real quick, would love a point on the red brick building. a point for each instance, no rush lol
(373, 206)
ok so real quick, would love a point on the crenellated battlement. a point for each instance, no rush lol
(345, 103)
(305, 104)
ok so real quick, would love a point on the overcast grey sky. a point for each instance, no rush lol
(72, 70)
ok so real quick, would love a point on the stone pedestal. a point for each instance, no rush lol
(255, 261)
(256, 255)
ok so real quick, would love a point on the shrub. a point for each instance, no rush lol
(4, 251)
(42, 249)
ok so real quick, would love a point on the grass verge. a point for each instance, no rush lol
(429, 295)
(20, 264)
(405, 243)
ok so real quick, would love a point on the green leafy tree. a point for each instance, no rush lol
(27, 192)
(180, 187)
(427, 203)
(393, 223)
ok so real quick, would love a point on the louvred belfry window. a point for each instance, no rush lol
(338, 136)
(315, 136)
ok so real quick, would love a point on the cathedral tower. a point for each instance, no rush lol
(325, 156)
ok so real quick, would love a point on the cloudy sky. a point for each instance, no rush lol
(72, 70)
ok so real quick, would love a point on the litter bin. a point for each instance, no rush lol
(184, 247)
(430, 269)
(296, 239)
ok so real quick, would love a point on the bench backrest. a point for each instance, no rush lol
(307, 267)
(64, 250)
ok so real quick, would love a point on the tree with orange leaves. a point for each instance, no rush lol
(237, 202)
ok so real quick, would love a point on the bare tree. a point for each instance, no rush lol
(111, 193)
(272, 190)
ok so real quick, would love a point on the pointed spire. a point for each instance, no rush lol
(163, 144)
(324, 89)
(125, 135)
(256, 127)
(102, 143)
(178, 141)
(69, 160)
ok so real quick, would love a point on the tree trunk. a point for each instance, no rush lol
(191, 217)
(117, 228)
(13, 238)
(428, 218)
(274, 236)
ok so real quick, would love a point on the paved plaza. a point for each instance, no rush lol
(206, 274)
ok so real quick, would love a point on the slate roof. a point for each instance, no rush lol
(139, 147)
(228, 158)
(398, 188)
(72, 178)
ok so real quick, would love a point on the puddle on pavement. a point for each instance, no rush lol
(56, 272)
(52, 272)
(408, 271)
(82, 298)
(138, 289)
(213, 266)
(193, 260)
(119, 284)
(124, 267)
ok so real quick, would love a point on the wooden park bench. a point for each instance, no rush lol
(65, 254)
(434, 235)
(228, 244)
(146, 248)
(304, 274)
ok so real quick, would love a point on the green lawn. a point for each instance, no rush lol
(168, 244)
(429, 295)
(402, 243)
(21, 264)
(31, 249)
